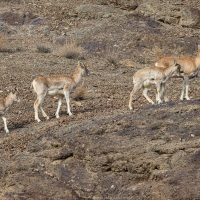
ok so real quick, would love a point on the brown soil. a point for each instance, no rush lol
(104, 150)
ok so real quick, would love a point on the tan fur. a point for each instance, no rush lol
(143, 78)
(189, 69)
(5, 104)
(59, 86)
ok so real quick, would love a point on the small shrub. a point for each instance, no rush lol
(103, 2)
(159, 53)
(43, 49)
(112, 59)
(71, 50)
(20, 49)
(80, 94)
(112, 56)
(5, 50)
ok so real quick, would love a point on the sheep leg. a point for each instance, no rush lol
(145, 91)
(5, 124)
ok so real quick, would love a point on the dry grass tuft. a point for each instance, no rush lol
(5, 46)
(71, 50)
(43, 49)
(112, 55)
(3, 42)
(80, 94)
(158, 52)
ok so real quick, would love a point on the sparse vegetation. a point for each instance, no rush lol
(5, 50)
(20, 49)
(103, 151)
(4, 43)
(43, 49)
(112, 56)
(80, 93)
(71, 50)
(158, 52)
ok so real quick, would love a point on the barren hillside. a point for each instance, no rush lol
(104, 150)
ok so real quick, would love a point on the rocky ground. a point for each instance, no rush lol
(104, 150)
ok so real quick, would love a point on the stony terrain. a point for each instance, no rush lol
(104, 150)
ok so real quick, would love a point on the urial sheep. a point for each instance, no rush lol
(147, 76)
(6, 103)
(60, 86)
(189, 69)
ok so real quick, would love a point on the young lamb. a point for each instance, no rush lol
(143, 78)
(6, 103)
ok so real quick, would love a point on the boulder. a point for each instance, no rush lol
(173, 14)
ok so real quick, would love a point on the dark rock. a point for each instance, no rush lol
(13, 18)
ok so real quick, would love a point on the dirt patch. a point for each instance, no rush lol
(102, 151)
